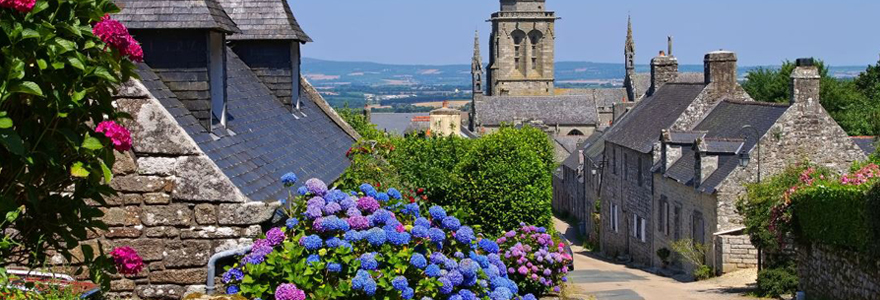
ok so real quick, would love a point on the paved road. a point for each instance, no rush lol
(609, 281)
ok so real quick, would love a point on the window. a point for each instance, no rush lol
(535, 37)
(519, 38)
(614, 217)
(575, 132)
(663, 216)
(640, 179)
(699, 230)
(677, 218)
(217, 74)
(639, 228)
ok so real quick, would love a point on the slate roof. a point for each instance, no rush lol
(641, 83)
(689, 77)
(604, 98)
(642, 125)
(552, 110)
(263, 140)
(264, 20)
(394, 122)
(868, 144)
(724, 124)
(174, 14)
(593, 146)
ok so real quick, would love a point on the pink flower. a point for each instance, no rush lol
(127, 261)
(523, 270)
(19, 5)
(116, 35)
(134, 52)
(289, 291)
(117, 134)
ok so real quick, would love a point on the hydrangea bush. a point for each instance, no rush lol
(369, 244)
(534, 260)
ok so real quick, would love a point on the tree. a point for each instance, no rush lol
(844, 100)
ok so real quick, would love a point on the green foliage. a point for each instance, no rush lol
(845, 100)
(703, 272)
(506, 179)
(496, 182)
(777, 282)
(56, 80)
(833, 214)
(873, 216)
(663, 254)
(359, 122)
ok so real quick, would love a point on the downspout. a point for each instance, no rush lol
(209, 286)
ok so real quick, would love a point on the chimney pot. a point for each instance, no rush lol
(805, 62)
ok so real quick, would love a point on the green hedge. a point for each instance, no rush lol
(833, 214)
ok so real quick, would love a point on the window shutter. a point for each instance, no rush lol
(643, 231)
(635, 225)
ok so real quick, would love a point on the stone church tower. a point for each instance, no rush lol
(522, 49)
(477, 79)
(629, 52)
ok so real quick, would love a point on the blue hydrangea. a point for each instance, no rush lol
(480, 259)
(381, 216)
(450, 264)
(447, 286)
(436, 235)
(423, 222)
(420, 231)
(468, 267)
(455, 297)
(438, 213)
(455, 277)
(467, 295)
(291, 223)
(438, 258)
(312, 259)
(492, 271)
(501, 293)
(418, 260)
(302, 191)
(235, 274)
(253, 259)
(469, 281)
(312, 242)
(398, 238)
(353, 236)
(451, 223)
(335, 196)
(333, 242)
(362, 281)
(432, 270)
(529, 297)
(427, 298)
(313, 212)
(334, 223)
(332, 208)
(353, 212)
(394, 193)
(465, 235)
(347, 204)
(400, 283)
(376, 236)
(407, 294)
(334, 267)
(232, 290)
(368, 261)
(489, 246)
(542, 230)
(366, 188)
(458, 254)
(383, 197)
(289, 179)
(411, 209)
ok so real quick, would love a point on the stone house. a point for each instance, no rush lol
(576, 183)
(218, 115)
(632, 148)
(700, 175)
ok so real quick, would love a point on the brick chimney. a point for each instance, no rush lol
(805, 82)
(720, 69)
(663, 69)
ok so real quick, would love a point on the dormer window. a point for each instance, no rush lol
(217, 76)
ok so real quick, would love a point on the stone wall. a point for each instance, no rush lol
(829, 273)
(684, 204)
(568, 195)
(735, 252)
(520, 76)
(621, 186)
(175, 206)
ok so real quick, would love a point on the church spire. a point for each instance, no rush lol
(630, 47)
(477, 66)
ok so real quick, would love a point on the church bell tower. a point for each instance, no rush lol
(522, 46)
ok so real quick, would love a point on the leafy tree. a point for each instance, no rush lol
(844, 100)
(359, 122)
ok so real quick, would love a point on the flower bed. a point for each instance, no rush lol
(534, 260)
(370, 244)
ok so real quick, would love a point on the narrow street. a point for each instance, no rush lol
(594, 276)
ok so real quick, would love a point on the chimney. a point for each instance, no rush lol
(669, 45)
(663, 69)
(720, 70)
(704, 164)
(805, 82)
(668, 153)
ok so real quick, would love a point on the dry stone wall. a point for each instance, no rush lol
(829, 273)
(174, 205)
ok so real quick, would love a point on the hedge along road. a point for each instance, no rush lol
(604, 280)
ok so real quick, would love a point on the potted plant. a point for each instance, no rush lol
(664, 254)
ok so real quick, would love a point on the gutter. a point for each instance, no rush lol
(212, 268)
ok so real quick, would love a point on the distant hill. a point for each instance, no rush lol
(325, 72)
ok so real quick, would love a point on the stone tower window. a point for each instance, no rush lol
(535, 38)
(519, 38)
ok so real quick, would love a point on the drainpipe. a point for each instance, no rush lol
(209, 287)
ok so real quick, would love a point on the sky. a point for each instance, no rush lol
(762, 32)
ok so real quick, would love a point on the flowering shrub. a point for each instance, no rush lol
(370, 243)
(535, 261)
(58, 70)
(127, 261)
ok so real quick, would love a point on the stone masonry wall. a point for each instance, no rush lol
(687, 202)
(829, 273)
(621, 187)
(735, 252)
(175, 206)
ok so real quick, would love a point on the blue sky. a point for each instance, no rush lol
(762, 32)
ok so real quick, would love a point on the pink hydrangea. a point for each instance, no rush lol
(117, 134)
(127, 261)
(19, 5)
(289, 291)
(115, 34)
(134, 52)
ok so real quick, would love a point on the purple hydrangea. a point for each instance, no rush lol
(347, 204)
(332, 208)
(289, 291)
(455, 277)
(275, 236)
(468, 267)
(368, 204)
(447, 286)
(316, 186)
(359, 222)
(313, 212)
(382, 217)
